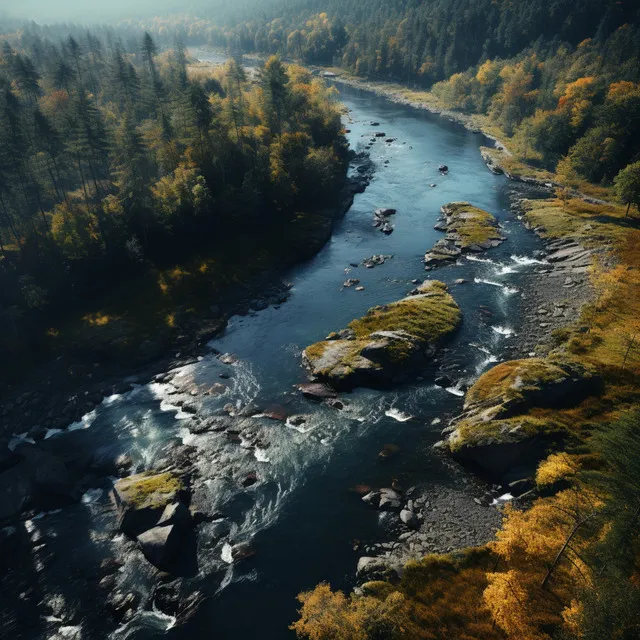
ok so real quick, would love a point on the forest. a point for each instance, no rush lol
(562, 77)
(115, 159)
(122, 160)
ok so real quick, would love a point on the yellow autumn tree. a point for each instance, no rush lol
(541, 563)
(329, 615)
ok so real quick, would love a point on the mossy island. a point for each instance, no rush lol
(506, 420)
(389, 343)
(468, 229)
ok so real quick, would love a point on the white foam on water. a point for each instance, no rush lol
(91, 495)
(111, 399)
(52, 432)
(526, 260)
(52, 619)
(480, 348)
(73, 632)
(456, 391)
(84, 423)
(225, 554)
(509, 291)
(505, 269)
(305, 427)
(179, 413)
(489, 282)
(144, 622)
(18, 439)
(503, 331)
(476, 259)
(261, 455)
(398, 415)
(43, 514)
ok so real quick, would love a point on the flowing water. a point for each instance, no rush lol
(301, 516)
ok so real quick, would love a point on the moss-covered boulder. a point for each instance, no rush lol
(142, 498)
(387, 344)
(468, 229)
(499, 428)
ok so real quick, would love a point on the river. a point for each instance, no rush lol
(301, 516)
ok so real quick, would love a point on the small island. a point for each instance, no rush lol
(388, 343)
(468, 229)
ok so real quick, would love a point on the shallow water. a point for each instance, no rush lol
(301, 516)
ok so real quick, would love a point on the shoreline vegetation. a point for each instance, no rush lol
(558, 430)
(543, 428)
(118, 274)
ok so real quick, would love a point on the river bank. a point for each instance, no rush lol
(279, 472)
(75, 377)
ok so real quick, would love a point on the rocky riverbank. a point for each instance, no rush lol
(553, 296)
(72, 381)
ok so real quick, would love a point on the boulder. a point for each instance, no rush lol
(410, 519)
(390, 500)
(242, 551)
(374, 569)
(161, 543)
(372, 498)
(141, 500)
(317, 391)
(443, 381)
(496, 432)
(389, 343)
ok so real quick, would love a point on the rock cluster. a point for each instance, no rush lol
(468, 229)
(381, 220)
(151, 511)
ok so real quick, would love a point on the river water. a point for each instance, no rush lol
(302, 516)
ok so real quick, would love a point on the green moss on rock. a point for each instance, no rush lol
(468, 228)
(505, 424)
(147, 490)
(389, 341)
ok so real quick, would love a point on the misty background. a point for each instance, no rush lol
(48, 11)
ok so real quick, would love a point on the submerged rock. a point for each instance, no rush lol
(316, 390)
(391, 342)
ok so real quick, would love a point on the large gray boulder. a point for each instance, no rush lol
(162, 543)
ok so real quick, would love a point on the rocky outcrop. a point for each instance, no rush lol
(387, 344)
(498, 159)
(162, 543)
(468, 229)
(142, 498)
(496, 433)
